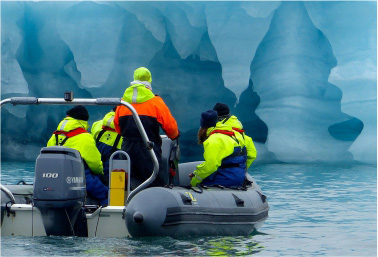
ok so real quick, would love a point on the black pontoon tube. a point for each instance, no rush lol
(97, 101)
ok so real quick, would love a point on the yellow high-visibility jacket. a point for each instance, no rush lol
(109, 136)
(248, 142)
(216, 148)
(83, 142)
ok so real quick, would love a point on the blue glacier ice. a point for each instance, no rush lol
(297, 104)
(301, 76)
(354, 43)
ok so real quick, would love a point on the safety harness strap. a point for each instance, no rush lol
(226, 119)
(116, 141)
(238, 130)
(241, 131)
(108, 128)
(68, 134)
(100, 135)
(225, 132)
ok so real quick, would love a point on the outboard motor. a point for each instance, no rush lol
(59, 189)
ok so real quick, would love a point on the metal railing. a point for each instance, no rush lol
(8, 193)
(99, 102)
(126, 161)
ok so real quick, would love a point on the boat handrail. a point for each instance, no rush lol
(97, 101)
(128, 169)
(9, 193)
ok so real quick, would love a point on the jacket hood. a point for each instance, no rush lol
(234, 122)
(142, 74)
(108, 120)
(69, 123)
(219, 126)
(137, 93)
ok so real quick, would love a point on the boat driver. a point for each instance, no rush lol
(154, 114)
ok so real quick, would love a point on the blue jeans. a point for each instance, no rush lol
(96, 188)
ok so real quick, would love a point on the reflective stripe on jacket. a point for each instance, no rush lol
(83, 142)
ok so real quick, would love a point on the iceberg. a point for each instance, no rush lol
(236, 34)
(300, 76)
(354, 42)
(93, 37)
(298, 104)
(13, 82)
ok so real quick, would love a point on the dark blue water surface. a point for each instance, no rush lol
(315, 210)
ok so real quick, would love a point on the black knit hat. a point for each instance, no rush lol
(222, 110)
(209, 119)
(78, 112)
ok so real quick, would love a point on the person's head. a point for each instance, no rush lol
(78, 112)
(142, 74)
(208, 119)
(222, 110)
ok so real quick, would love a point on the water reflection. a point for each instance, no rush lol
(199, 246)
(232, 246)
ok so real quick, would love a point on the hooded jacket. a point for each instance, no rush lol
(107, 139)
(82, 142)
(109, 135)
(225, 159)
(152, 111)
(247, 141)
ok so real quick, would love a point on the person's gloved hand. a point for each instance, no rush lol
(178, 135)
(194, 181)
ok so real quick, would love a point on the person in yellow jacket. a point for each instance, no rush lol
(107, 139)
(225, 117)
(224, 154)
(72, 133)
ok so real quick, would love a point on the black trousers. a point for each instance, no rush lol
(141, 163)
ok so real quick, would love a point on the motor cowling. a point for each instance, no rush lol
(59, 188)
(59, 176)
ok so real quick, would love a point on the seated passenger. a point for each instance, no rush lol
(107, 139)
(72, 133)
(225, 156)
(225, 117)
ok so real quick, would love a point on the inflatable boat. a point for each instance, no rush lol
(57, 203)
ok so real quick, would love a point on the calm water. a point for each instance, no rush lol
(315, 210)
